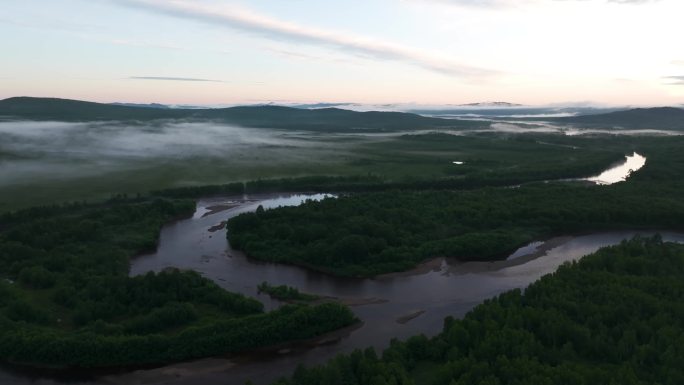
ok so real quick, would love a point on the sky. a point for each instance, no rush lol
(429, 52)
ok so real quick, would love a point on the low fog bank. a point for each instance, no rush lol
(46, 162)
(193, 152)
(58, 150)
(173, 139)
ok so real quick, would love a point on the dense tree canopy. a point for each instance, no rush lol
(66, 299)
(367, 234)
(615, 317)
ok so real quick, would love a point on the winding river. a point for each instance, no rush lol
(391, 306)
(388, 304)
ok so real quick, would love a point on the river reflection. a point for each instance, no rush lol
(449, 288)
(621, 172)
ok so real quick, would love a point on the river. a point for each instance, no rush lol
(444, 287)
(392, 306)
(620, 172)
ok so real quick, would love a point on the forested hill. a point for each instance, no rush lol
(333, 119)
(669, 118)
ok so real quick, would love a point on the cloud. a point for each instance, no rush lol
(297, 55)
(173, 79)
(471, 3)
(504, 3)
(265, 26)
(674, 80)
(678, 62)
(632, 1)
(144, 44)
(59, 25)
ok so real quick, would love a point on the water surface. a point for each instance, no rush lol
(620, 172)
(449, 289)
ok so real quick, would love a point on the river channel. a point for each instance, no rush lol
(391, 306)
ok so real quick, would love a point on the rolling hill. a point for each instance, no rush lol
(323, 119)
(668, 118)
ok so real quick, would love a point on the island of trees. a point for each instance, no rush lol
(66, 300)
(365, 234)
(373, 233)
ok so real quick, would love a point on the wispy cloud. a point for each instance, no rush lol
(674, 80)
(144, 44)
(505, 3)
(58, 25)
(262, 25)
(632, 1)
(678, 62)
(470, 3)
(297, 55)
(175, 79)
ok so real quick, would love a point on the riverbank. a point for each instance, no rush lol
(185, 245)
(217, 366)
(455, 266)
(452, 265)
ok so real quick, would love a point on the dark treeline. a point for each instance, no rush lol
(615, 317)
(66, 299)
(367, 234)
(301, 184)
(372, 183)
(376, 232)
(106, 345)
(401, 164)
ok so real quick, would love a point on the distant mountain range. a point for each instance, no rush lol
(149, 105)
(317, 119)
(491, 104)
(663, 118)
(322, 119)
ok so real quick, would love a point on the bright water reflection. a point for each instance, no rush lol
(621, 172)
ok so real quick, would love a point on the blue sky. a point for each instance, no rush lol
(374, 51)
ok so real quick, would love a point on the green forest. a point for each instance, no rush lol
(373, 233)
(425, 161)
(397, 227)
(66, 300)
(614, 317)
